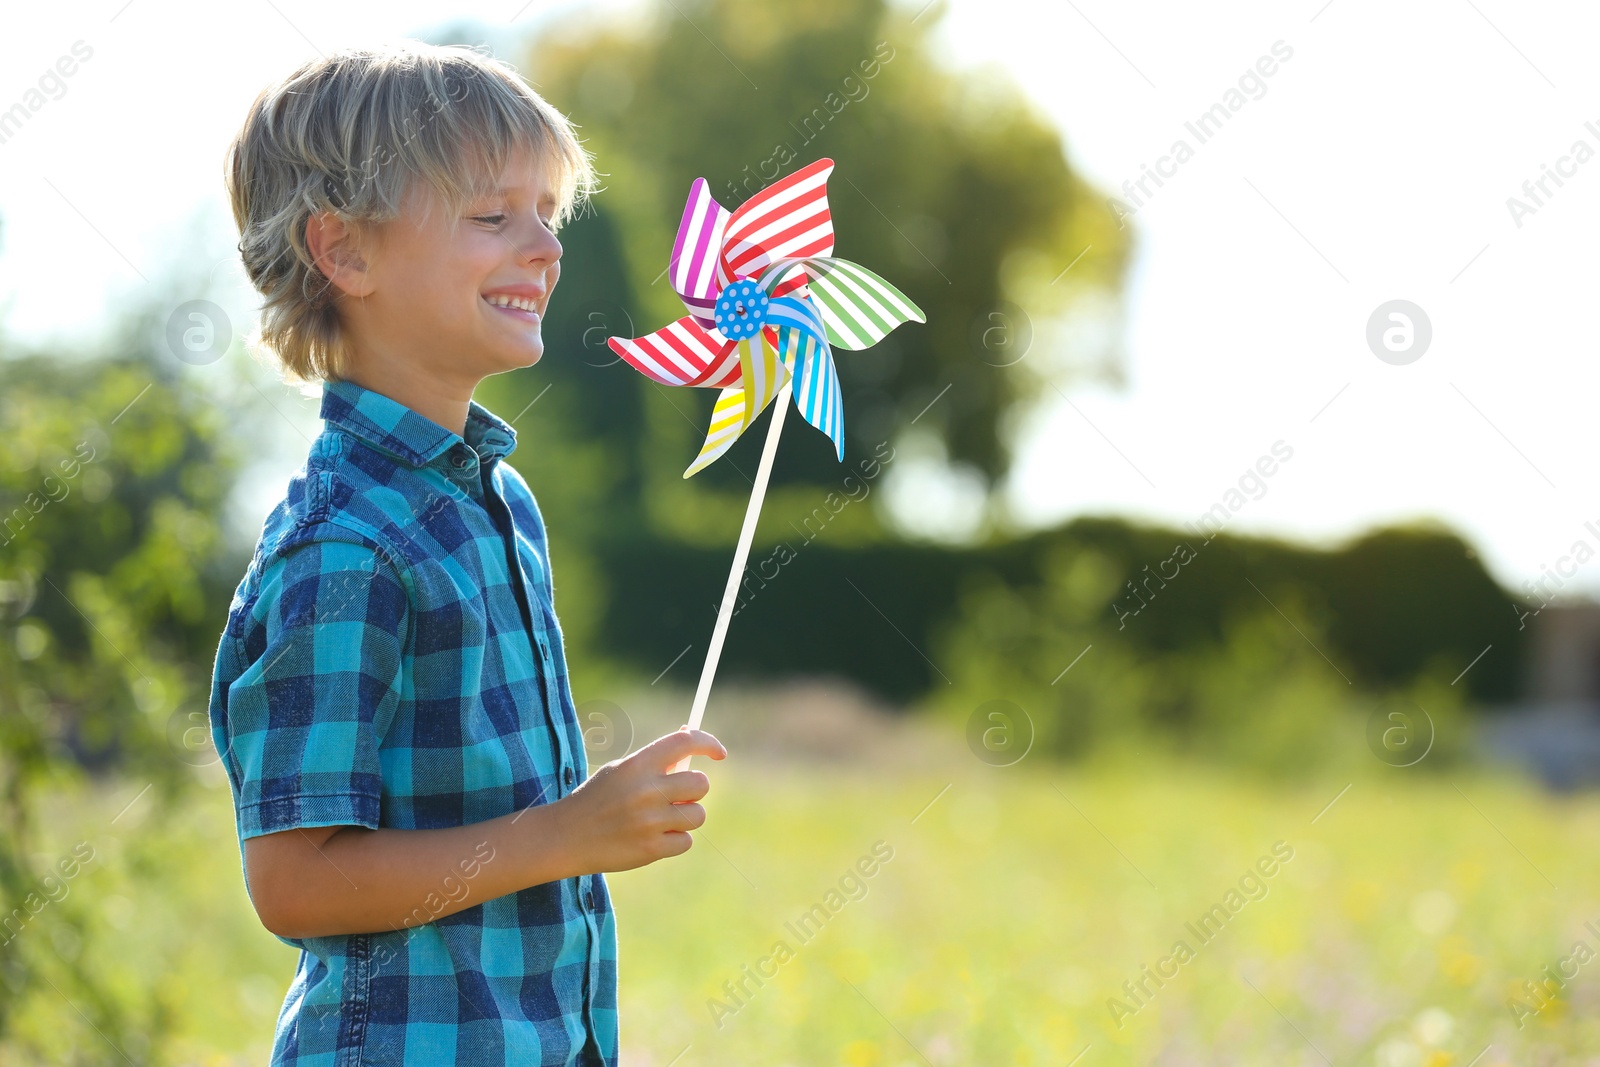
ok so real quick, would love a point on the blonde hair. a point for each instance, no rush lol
(349, 134)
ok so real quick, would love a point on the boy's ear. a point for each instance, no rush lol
(334, 249)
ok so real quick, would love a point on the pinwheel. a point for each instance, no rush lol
(767, 303)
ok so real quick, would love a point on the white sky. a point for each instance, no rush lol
(1376, 167)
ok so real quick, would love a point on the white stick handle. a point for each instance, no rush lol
(730, 595)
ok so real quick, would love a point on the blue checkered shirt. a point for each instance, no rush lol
(392, 659)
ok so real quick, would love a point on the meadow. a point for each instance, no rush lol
(885, 898)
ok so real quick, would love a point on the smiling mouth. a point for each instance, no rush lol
(514, 306)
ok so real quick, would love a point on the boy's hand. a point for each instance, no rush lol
(631, 812)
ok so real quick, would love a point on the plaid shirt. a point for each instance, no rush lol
(390, 661)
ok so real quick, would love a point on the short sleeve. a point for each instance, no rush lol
(325, 648)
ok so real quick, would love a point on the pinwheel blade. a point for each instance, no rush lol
(858, 307)
(694, 255)
(684, 353)
(727, 423)
(816, 392)
(798, 314)
(787, 219)
(761, 375)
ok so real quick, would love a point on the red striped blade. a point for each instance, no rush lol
(787, 219)
(683, 353)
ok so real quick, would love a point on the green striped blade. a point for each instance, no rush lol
(858, 307)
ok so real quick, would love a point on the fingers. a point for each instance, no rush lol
(685, 785)
(682, 743)
(676, 843)
(683, 817)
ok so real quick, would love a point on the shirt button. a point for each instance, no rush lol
(570, 775)
(588, 900)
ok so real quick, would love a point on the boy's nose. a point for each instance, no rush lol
(539, 245)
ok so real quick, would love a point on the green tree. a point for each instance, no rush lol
(948, 184)
(114, 582)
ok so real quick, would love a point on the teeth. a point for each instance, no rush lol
(502, 301)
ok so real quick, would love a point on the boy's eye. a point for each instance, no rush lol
(495, 220)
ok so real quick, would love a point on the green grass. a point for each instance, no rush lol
(1016, 902)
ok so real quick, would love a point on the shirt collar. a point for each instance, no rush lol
(391, 426)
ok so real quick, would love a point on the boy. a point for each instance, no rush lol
(390, 694)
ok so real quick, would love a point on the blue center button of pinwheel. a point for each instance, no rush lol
(741, 309)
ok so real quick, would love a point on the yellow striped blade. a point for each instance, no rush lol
(762, 374)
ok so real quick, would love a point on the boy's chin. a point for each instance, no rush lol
(521, 356)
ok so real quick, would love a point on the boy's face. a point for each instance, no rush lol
(432, 277)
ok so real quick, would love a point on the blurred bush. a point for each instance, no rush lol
(1388, 608)
(1265, 695)
(114, 582)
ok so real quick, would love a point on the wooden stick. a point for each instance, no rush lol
(730, 595)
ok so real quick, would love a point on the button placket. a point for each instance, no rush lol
(552, 690)
(535, 623)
